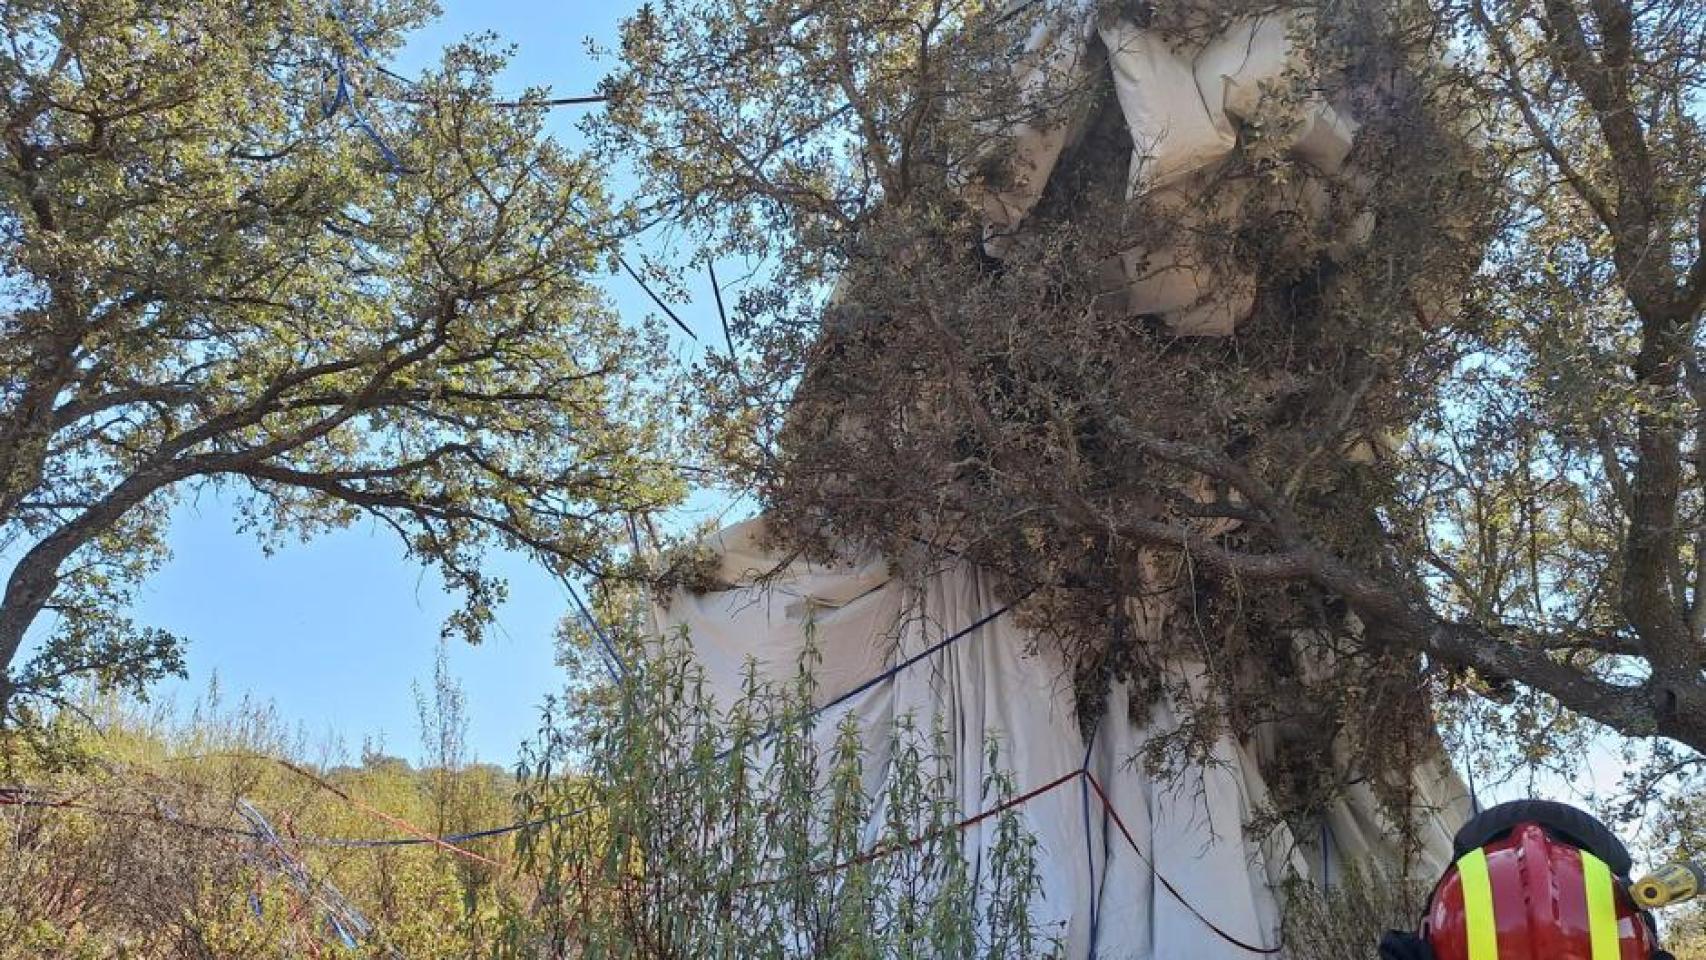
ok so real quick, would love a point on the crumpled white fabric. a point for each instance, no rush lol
(1184, 107)
(1102, 899)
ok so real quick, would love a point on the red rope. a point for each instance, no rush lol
(1114, 813)
(394, 821)
(338, 792)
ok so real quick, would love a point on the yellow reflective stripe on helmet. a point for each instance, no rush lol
(1602, 908)
(1478, 906)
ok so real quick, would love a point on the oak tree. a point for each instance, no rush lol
(238, 252)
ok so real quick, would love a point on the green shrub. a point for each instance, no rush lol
(696, 831)
(738, 830)
(129, 871)
(1345, 923)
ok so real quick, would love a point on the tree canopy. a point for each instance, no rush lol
(1461, 452)
(1563, 480)
(237, 251)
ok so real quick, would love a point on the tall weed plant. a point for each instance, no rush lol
(664, 825)
(746, 830)
(140, 851)
(1346, 922)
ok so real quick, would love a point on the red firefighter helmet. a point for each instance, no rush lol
(1533, 880)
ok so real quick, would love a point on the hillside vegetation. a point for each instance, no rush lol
(132, 841)
(141, 848)
(653, 832)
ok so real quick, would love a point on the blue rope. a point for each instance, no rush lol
(457, 838)
(1083, 776)
(345, 97)
(1089, 845)
(613, 663)
(1326, 857)
(454, 838)
(1474, 799)
(910, 661)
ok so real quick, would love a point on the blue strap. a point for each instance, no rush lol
(345, 97)
(1326, 855)
(1089, 844)
(613, 663)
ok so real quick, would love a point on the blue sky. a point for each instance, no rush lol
(335, 630)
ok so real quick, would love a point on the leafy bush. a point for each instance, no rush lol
(1345, 923)
(148, 858)
(670, 826)
(740, 831)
